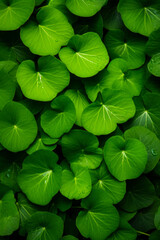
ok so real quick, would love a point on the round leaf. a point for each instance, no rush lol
(60, 118)
(140, 16)
(151, 142)
(102, 116)
(154, 65)
(47, 79)
(7, 88)
(85, 55)
(48, 33)
(85, 8)
(14, 13)
(76, 184)
(81, 147)
(126, 45)
(120, 78)
(147, 112)
(40, 171)
(45, 226)
(18, 127)
(103, 181)
(124, 231)
(152, 46)
(98, 219)
(125, 159)
(140, 194)
(9, 215)
(80, 102)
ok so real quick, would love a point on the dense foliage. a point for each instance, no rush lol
(79, 119)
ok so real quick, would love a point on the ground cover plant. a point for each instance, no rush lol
(79, 119)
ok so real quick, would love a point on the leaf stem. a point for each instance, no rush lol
(143, 233)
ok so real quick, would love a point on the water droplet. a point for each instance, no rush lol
(8, 175)
(154, 152)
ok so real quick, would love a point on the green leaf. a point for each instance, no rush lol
(38, 145)
(80, 102)
(144, 219)
(85, 8)
(154, 65)
(93, 24)
(26, 210)
(140, 16)
(17, 12)
(60, 118)
(40, 171)
(18, 127)
(69, 237)
(85, 55)
(157, 219)
(62, 203)
(111, 18)
(112, 189)
(151, 142)
(125, 159)
(7, 88)
(102, 116)
(152, 46)
(76, 184)
(48, 33)
(98, 219)
(12, 49)
(147, 112)
(119, 77)
(126, 45)
(47, 79)
(140, 194)
(45, 226)
(39, 2)
(9, 216)
(154, 235)
(124, 231)
(79, 146)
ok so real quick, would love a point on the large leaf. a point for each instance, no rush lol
(85, 55)
(119, 77)
(26, 210)
(18, 127)
(45, 226)
(14, 13)
(81, 147)
(144, 219)
(151, 142)
(76, 184)
(112, 189)
(152, 46)
(85, 8)
(47, 33)
(60, 118)
(154, 235)
(124, 231)
(102, 116)
(125, 159)
(140, 194)
(80, 102)
(9, 215)
(7, 88)
(154, 65)
(147, 112)
(140, 16)
(126, 45)
(98, 219)
(40, 171)
(47, 79)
